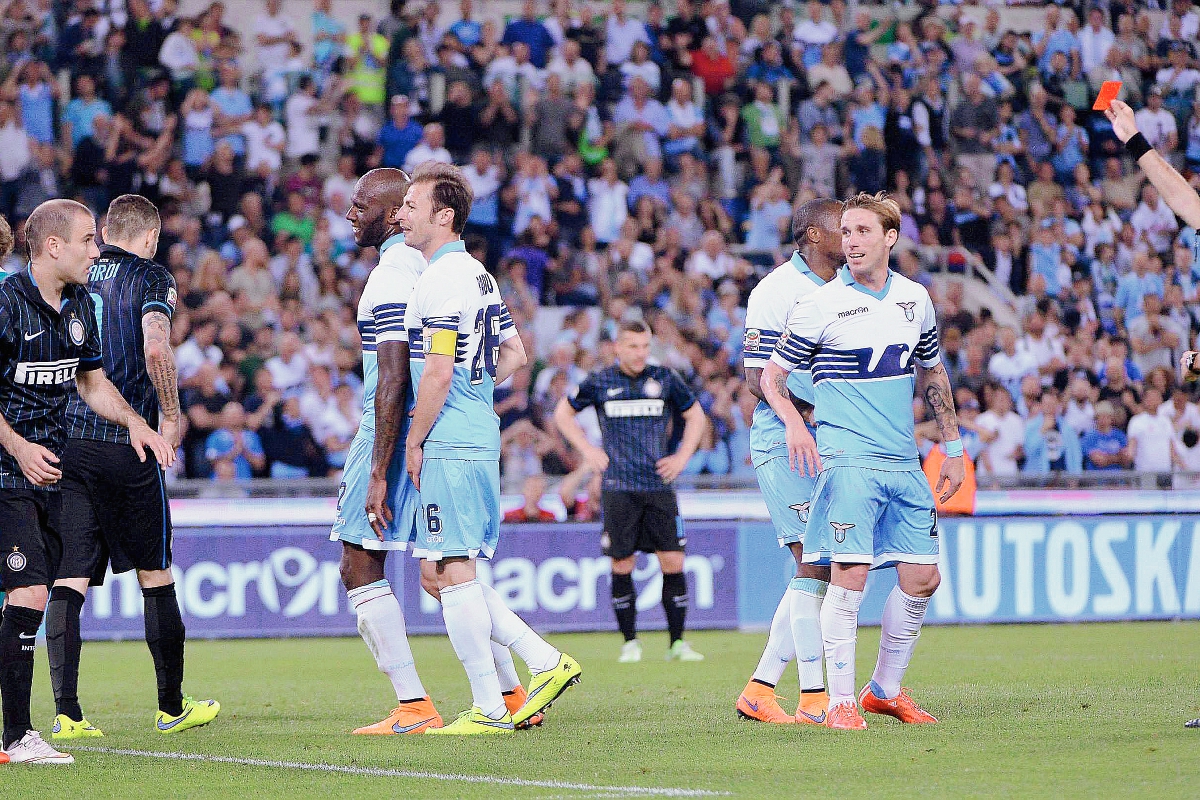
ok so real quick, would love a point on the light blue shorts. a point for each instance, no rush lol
(871, 516)
(787, 494)
(351, 524)
(460, 509)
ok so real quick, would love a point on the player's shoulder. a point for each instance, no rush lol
(905, 285)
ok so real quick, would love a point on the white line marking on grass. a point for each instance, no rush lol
(376, 772)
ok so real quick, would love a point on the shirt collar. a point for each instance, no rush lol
(848, 279)
(457, 246)
(396, 238)
(802, 267)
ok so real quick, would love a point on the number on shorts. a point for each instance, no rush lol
(487, 328)
(432, 522)
(341, 494)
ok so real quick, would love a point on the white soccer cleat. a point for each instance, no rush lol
(682, 651)
(631, 652)
(32, 749)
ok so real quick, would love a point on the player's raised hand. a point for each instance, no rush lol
(954, 472)
(37, 463)
(143, 438)
(802, 451)
(378, 513)
(1123, 122)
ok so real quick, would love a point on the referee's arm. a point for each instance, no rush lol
(1178, 194)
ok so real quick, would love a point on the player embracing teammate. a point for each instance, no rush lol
(868, 337)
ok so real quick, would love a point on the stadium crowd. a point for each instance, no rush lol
(635, 166)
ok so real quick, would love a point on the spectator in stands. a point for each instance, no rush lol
(529, 30)
(1151, 435)
(233, 449)
(1051, 445)
(400, 134)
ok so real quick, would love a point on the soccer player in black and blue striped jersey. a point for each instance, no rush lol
(49, 341)
(115, 506)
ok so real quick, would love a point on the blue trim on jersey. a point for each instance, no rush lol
(150, 305)
(449, 323)
(395, 238)
(457, 246)
(848, 279)
(801, 266)
(62, 303)
(831, 364)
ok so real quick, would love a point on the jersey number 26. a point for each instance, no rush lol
(487, 328)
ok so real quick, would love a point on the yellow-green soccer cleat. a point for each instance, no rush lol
(67, 728)
(545, 687)
(474, 723)
(195, 713)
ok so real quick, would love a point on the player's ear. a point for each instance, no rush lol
(891, 237)
(104, 233)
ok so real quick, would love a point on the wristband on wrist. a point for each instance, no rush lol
(1137, 146)
(954, 449)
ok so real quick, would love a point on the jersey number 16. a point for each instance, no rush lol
(487, 328)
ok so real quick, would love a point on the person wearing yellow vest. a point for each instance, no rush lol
(962, 502)
(366, 52)
(973, 438)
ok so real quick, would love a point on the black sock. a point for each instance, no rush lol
(63, 644)
(165, 637)
(17, 633)
(675, 601)
(624, 603)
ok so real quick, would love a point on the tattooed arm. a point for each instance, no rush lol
(160, 366)
(934, 384)
(390, 407)
(754, 384)
(802, 449)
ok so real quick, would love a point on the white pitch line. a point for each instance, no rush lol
(375, 772)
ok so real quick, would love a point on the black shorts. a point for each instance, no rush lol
(646, 522)
(115, 511)
(30, 544)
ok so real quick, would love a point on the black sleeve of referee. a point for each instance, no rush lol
(679, 393)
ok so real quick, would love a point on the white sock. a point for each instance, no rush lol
(839, 627)
(806, 595)
(902, 618)
(781, 646)
(511, 631)
(470, 629)
(506, 670)
(381, 624)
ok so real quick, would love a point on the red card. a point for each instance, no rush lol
(1108, 93)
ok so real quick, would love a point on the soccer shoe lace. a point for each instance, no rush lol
(33, 749)
(902, 707)
(845, 717)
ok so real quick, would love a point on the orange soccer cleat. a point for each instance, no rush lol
(902, 707)
(845, 717)
(414, 717)
(758, 702)
(812, 708)
(514, 700)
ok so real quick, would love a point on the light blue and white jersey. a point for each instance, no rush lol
(381, 313)
(862, 348)
(456, 293)
(766, 319)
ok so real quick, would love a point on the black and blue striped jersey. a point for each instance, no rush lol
(635, 420)
(123, 287)
(41, 349)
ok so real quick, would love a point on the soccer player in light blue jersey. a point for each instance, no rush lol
(796, 625)
(377, 504)
(462, 342)
(869, 337)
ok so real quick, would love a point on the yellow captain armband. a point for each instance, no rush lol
(441, 342)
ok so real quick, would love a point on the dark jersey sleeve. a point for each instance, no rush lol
(679, 394)
(158, 292)
(91, 351)
(585, 395)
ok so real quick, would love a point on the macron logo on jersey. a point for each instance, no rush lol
(46, 373)
(852, 312)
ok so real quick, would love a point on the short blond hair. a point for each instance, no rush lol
(6, 238)
(881, 205)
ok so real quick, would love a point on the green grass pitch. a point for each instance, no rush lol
(1034, 711)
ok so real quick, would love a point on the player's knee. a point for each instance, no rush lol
(813, 571)
(624, 566)
(922, 583)
(153, 578)
(670, 562)
(430, 584)
(34, 597)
